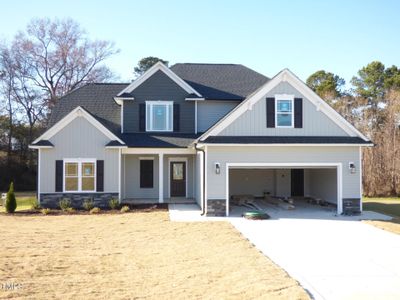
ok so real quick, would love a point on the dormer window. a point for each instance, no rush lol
(159, 115)
(284, 111)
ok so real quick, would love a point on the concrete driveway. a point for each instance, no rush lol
(332, 259)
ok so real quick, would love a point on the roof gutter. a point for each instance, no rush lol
(203, 199)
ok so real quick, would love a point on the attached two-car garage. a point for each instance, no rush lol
(326, 174)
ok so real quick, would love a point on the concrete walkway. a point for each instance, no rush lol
(331, 258)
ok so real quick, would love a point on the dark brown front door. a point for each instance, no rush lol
(178, 178)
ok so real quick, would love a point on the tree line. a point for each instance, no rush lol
(52, 57)
(372, 104)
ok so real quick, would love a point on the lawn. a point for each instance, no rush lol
(388, 206)
(135, 255)
(24, 201)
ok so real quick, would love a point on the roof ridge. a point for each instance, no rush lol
(108, 83)
(211, 64)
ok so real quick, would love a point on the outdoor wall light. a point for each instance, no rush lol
(352, 167)
(217, 168)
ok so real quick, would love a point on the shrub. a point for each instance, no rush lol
(11, 202)
(113, 203)
(125, 209)
(35, 204)
(70, 210)
(95, 210)
(64, 204)
(45, 211)
(88, 204)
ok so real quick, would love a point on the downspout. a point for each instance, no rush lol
(203, 200)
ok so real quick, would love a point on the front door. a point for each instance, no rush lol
(297, 182)
(178, 178)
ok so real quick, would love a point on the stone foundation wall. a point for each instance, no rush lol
(77, 199)
(351, 206)
(216, 207)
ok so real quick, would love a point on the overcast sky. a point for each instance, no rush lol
(267, 36)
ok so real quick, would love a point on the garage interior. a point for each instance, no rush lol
(289, 190)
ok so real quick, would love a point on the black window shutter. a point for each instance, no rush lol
(298, 113)
(176, 117)
(59, 175)
(146, 173)
(100, 176)
(142, 117)
(270, 112)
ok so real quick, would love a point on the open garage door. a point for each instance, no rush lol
(321, 182)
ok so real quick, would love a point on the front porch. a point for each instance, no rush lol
(152, 176)
(174, 200)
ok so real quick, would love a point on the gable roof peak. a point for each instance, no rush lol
(159, 66)
(284, 76)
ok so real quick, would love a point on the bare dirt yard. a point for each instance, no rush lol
(134, 255)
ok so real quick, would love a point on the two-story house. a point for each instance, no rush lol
(198, 132)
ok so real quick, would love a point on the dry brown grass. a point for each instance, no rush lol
(134, 255)
(392, 225)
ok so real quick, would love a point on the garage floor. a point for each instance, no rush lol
(303, 210)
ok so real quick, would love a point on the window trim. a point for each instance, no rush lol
(149, 105)
(287, 98)
(140, 171)
(80, 161)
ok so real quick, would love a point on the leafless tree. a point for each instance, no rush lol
(61, 57)
(6, 87)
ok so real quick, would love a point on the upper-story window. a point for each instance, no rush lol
(159, 115)
(284, 111)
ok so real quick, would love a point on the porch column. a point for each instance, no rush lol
(161, 177)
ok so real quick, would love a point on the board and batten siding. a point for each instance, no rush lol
(210, 112)
(253, 122)
(276, 154)
(159, 87)
(79, 139)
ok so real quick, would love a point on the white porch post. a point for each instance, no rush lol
(119, 175)
(161, 177)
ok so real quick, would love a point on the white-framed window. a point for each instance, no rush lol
(284, 111)
(79, 175)
(159, 115)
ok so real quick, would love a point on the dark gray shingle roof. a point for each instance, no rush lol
(220, 81)
(159, 140)
(285, 140)
(43, 143)
(97, 98)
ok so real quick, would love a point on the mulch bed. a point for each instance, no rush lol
(58, 212)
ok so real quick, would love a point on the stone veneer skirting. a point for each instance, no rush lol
(216, 207)
(99, 199)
